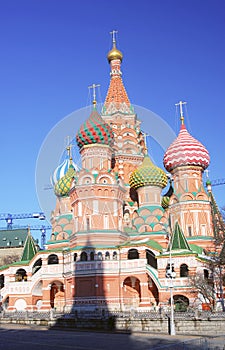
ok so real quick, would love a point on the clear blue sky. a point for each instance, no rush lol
(52, 50)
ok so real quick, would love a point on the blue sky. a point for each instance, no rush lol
(52, 50)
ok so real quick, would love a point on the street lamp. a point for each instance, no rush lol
(170, 275)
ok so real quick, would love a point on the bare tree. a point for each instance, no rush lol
(9, 259)
(204, 288)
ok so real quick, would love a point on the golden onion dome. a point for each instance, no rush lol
(114, 54)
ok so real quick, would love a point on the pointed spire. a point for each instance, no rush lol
(178, 240)
(30, 248)
(117, 98)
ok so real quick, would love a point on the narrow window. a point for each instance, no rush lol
(106, 221)
(189, 231)
(183, 270)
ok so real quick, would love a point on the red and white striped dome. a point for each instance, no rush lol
(185, 150)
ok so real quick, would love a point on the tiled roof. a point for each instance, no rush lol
(13, 238)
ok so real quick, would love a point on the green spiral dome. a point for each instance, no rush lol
(148, 174)
(165, 202)
(62, 187)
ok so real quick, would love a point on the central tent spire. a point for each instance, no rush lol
(117, 99)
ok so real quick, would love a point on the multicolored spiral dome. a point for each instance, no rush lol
(62, 187)
(185, 150)
(94, 130)
(148, 174)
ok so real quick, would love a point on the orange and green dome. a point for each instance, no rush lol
(148, 174)
(94, 130)
(62, 187)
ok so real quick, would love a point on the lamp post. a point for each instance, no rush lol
(170, 275)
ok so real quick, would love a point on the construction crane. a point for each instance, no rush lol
(43, 229)
(218, 182)
(9, 217)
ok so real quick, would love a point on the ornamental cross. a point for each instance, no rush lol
(145, 141)
(181, 103)
(69, 148)
(94, 86)
(113, 33)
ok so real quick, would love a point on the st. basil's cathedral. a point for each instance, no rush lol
(117, 243)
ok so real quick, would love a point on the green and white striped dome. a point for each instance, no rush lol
(148, 174)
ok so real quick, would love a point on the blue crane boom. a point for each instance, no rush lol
(9, 217)
(218, 182)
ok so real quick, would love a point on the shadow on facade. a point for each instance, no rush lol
(82, 300)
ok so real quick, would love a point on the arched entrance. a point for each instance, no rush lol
(153, 292)
(131, 292)
(57, 299)
(181, 302)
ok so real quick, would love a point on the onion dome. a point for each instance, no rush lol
(114, 54)
(61, 170)
(148, 174)
(62, 187)
(94, 130)
(165, 202)
(185, 150)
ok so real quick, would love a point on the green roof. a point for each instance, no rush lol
(30, 249)
(178, 241)
(13, 238)
(195, 248)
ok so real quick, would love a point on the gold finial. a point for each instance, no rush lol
(145, 142)
(94, 86)
(113, 33)
(114, 54)
(181, 103)
(69, 149)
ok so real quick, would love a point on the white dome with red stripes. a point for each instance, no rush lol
(185, 150)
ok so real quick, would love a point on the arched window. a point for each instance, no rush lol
(53, 259)
(181, 302)
(21, 275)
(83, 256)
(107, 256)
(99, 255)
(133, 254)
(114, 255)
(151, 259)
(2, 281)
(183, 270)
(206, 274)
(92, 256)
(37, 265)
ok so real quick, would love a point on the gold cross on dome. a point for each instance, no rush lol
(94, 86)
(113, 33)
(181, 103)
